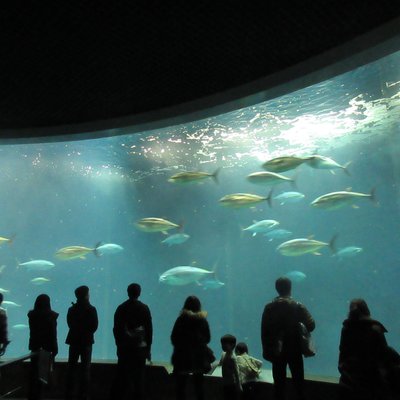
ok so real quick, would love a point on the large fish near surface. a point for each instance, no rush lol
(262, 226)
(266, 178)
(37, 265)
(321, 162)
(299, 247)
(153, 224)
(72, 252)
(285, 163)
(335, 200)
(183, 275)
(187, 177)
(241, 200)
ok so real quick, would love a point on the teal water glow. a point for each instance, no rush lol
(83, 192)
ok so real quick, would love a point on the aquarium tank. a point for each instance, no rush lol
(220, 197)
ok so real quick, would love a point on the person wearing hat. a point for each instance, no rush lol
(82, 322)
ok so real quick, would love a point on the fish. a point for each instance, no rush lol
(20, 327)
(282, 164)
(262, 226)
(109, 248)
(188, 177)
(299, 247)
(2, 268)
(278, 234)
(10, 303)
(40, 280)
(321, 162)
(7, 240)
(266, 178)
(241, 200)
(72, 252)
(296, 276)
(210, 283)
(37, 265)
(177, 238)
(347, 252)
(2, 290)
(183, 275)
(335, 200)
(153, 224)
(289, 197)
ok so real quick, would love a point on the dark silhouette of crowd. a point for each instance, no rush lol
(369, 368)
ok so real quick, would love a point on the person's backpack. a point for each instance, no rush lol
(252, 368)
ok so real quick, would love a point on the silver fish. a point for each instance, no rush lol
(262, 226)
(321, 162)
(240, 200)
(183, 275)
(266, 178)
(177, 238)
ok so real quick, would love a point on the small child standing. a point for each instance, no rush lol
(249, 371)
(230, 372)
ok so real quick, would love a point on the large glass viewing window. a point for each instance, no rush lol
(92, 193)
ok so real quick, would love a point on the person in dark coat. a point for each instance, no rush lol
(3, 328)
(82, 322)
(190, 336)
(281, 339)
(133, 333)
(42, 336)
(362, 353)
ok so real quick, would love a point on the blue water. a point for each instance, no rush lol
(83, 192)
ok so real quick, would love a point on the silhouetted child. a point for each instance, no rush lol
(249, 371)
(230, 372)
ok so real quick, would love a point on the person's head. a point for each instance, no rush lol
(1, 298)
(42, 303)
(82, 293)
(228, 342)
(358, 309)
(134, 291)
(241, 348)
(192, 303)
(283, 286)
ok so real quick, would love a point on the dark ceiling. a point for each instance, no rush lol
(71, 63)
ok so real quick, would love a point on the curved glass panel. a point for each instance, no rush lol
(85, 192)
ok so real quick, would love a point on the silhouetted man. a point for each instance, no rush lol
(281, 338)
(3, 328)
(82, 322)
(133, 333)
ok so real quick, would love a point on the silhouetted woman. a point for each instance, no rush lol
(362, 352)
(190, 336)
(42, 335)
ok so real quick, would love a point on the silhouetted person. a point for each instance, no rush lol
(232, 386)
(190, 336)
(281, 339)
(133, 333)
(3, 328)
(249, 371)
(82, 322)
(42, 335)
(363, 349)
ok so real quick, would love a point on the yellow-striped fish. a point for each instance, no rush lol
(72, 252)
(187, 177)
(153, 224)
(239, 200)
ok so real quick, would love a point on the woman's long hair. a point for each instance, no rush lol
(42, 303)
(192, 303)
(359, 309)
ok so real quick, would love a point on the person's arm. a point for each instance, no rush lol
(236, 374)
(118, 326)
(306, 318)
(148, 329)
(54, 337)
(94, 320)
